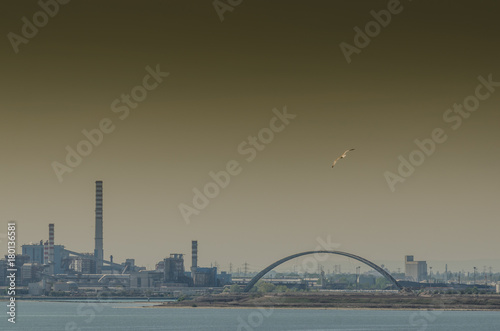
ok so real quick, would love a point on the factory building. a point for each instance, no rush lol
(129, 266)
(34, 251)
(47, 258)
(36, 254)
(415, 270)
(173, 269)
(47, 254)
(31, 272)
(146, 279)
(205, 277)
(202, 277)
(224, 278)
(3, 272)
(84, 264)
(173, 273)
(20, 261)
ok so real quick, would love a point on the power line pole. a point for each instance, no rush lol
(430, 277)
(357, 277)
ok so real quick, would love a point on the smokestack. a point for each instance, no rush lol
(98, 251)
(46, 252)
(194, 255)
(51, 242)
(51, 248)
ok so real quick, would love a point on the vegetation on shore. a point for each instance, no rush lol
(357, 300)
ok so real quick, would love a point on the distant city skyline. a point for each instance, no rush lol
(224, 130)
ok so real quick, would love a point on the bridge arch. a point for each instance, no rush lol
(261, 274)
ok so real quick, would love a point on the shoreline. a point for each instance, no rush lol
(312, 301)
(319, 308)
(193, 304)
(350, 301)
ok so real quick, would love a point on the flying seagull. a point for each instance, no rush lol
(341, 156)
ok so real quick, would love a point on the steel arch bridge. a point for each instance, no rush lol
(352, 256)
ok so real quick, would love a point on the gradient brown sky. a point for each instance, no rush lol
(225, 79)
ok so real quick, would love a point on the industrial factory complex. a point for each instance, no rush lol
(45, 267)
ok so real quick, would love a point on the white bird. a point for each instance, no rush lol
(342, 156)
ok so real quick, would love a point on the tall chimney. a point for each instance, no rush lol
(98, 251)
(46, 252)
(51, 242)
(194, 255)
(51, 247)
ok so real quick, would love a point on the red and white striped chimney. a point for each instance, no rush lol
(46, 252)
(51, 242)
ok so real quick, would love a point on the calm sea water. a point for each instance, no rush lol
(72, 316)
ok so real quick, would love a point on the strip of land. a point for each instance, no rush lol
(342, 301)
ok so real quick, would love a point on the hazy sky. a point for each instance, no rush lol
(225, 78)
